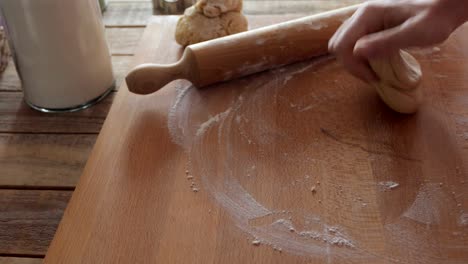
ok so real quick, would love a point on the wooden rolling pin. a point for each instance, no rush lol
(245, 53)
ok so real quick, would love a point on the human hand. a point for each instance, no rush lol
(382, 27)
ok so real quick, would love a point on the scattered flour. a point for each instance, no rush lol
(286, 223)
(463, 221)
(428, 204)
(175, 122)
(256, 242)
(317, 25)
(238, 119)
(330, 235)
(388, 185)
(260, 41)
(316, 238)
(215, 119)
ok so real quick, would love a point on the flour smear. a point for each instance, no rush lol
(242, 132)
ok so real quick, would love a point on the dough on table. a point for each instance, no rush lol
(214, 8)
(400, 75)
(195, 27)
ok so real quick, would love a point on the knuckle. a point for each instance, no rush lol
(370, 7)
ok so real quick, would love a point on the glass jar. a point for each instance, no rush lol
(60, 52)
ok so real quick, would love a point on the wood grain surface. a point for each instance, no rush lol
(29, 219)
(302, 164)
(30, 139)
(24, 260)
(17, 117)
(43, 160)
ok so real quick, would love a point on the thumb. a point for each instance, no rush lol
(381, 43)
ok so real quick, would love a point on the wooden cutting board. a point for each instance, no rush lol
(301, 164)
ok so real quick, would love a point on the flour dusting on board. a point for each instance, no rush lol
(260, 41)
(388, 185)
(227, 147)
(428, 205)
(215, 119)
(176, 124)
(463, 221)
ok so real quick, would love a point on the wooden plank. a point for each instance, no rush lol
(28, 220)
(304, 7)
(17, 117)
(128, 14)
(43, 160)
(121, 66)
(10, 260)
(9, 80)
(132, 1)
(123, 41)
(139, 13)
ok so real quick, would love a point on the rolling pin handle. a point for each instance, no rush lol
(149, 78)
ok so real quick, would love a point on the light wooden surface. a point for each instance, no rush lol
(41, 152)
(305, 161)
(13, 260)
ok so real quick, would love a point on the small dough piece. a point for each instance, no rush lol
(194, 27)
(400, 75)
(214, 8)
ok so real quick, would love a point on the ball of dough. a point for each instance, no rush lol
(214, 8)
(400, 76)
(194, 27)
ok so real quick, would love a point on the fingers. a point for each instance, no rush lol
(417, 31)
(333, 42)
(342, 43)
(354, 28)
(383, 42)
(360, 68)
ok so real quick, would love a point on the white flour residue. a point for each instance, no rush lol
(241, 202)
(307, 108)
(463, 221)
(238, 119)
(215, 119)
(428, 205)
(286, 79)
(238, 202)
(300, 70)
(333, 238)
(425, 51)
(256, 242)
(317, 25)
(329, 235)
(260, 41)
(285, 223)
(175, 124)
(388, 185)
(306, 231)
(248, 68)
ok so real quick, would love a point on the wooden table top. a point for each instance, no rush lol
(42, 156)
(302, 164)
